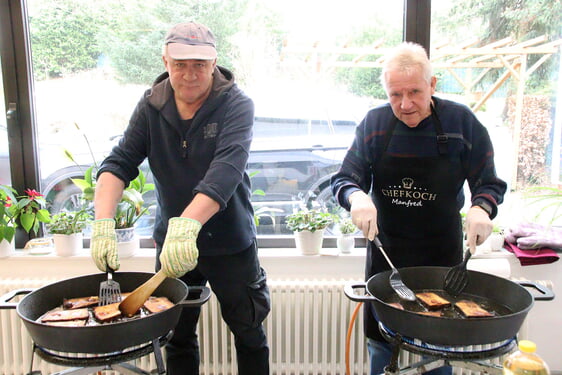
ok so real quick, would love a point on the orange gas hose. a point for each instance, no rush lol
(348, 338)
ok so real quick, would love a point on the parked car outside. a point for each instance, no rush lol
(291, 161)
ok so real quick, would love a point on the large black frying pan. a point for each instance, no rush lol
(451, 331)
(104, 338)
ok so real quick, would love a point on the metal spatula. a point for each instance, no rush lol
(456, 278)
(395, 280)
(110, 290)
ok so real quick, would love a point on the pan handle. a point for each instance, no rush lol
(6, 298)
(545, 293)
(203, 293)
(349, 291)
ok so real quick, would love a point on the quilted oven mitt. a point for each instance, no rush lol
(104, 245)
(179, 253)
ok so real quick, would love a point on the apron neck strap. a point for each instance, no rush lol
(442, 138)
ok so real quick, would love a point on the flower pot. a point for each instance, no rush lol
(125, 234)
(309, 243)
(345, 243)
(127, 242)
(496, 241)
(7, 248)
(68, 244)
(128, 248)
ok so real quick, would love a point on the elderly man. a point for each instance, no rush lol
(402, 179)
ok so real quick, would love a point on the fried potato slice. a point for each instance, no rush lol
(433, 301)
(68, 323)
(157, 304)
(107, 312)
(78, 303)
(59, 315)
(471, 309)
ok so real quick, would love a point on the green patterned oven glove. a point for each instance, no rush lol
(179, 253)
(104, 245)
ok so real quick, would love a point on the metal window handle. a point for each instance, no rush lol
(11, 114)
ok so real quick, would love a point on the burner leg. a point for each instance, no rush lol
(158, 356)
(392, 367)
(31, 364)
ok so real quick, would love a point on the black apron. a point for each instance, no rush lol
(418, 216)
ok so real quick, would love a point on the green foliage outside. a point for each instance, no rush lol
(58, 29)
(127, 35)
(522, 20)
(362, 81)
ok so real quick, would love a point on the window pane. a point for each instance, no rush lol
(515, 97)
(5, 177)
(310, 79)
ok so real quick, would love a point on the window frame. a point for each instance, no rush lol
(19, 99)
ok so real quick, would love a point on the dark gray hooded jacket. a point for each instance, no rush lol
(209, 156)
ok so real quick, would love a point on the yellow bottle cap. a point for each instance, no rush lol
(527, 346)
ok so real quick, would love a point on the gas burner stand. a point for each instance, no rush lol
(438, 356)
(83, 365)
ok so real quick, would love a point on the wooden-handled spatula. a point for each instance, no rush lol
(134, 301)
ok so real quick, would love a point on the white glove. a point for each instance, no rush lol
(478, 227)
(364, 214)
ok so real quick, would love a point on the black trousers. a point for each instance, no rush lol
(240, 285)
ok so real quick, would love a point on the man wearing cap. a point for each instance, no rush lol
(195, 127)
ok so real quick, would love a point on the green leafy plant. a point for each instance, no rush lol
(262, 211)
(310, 220)
(26, 211)
(346, 226)
(69, 222)
(130, 208)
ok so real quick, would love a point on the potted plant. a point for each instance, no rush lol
(308, 227)
(496, 239)
(345, 240)
(66, 228)
(26, 211)
(129, 210)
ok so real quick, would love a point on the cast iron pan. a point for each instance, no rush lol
(104, 338)
(514, 297)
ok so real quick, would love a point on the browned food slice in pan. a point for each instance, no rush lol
(59, 315)
(157, 304)
(396, 305)
(68, 323)
(78, 303)
(107, 312)
(471, 309)
(433, 301)
(436, 313)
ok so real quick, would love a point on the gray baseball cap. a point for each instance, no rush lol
(191, 41)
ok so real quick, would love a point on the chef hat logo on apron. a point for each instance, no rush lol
(407, 182)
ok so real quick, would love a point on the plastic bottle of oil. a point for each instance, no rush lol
(525, 361)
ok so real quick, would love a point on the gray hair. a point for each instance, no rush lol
(403, 58)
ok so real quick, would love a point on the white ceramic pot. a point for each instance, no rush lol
(496, 241)
(67, 245)
(345, 243)
(7, 248)
(309, 243)
(127, 249)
